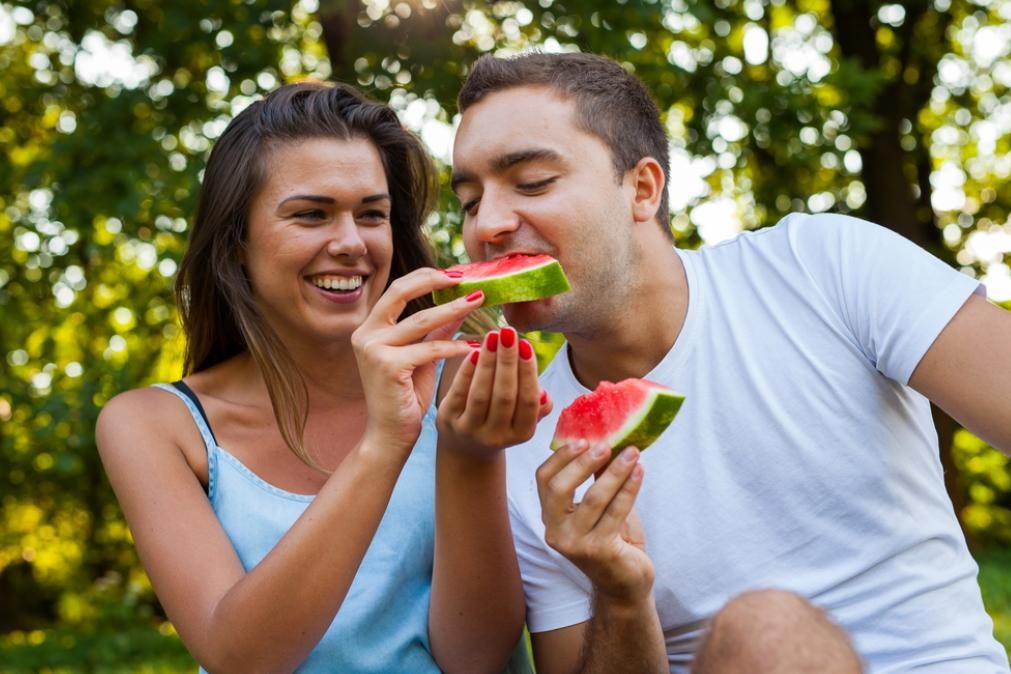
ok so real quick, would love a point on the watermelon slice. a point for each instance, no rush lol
(631, 412)
(514, 278)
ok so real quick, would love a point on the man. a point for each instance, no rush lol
(794, 517)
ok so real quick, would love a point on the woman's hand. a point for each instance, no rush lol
(396, 359)
(494, 401)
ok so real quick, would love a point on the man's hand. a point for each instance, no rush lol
(601, 534)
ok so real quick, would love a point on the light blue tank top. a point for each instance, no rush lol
(382, 626)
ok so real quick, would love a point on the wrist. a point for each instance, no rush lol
(623, 607)
(463, 461)
(378, 451)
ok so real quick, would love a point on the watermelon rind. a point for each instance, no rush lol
(532, 283)
(642, 429)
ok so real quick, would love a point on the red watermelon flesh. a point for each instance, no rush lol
(631, 412)
(509, 264)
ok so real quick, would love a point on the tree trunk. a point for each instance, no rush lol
(337, 18)
(891, 172)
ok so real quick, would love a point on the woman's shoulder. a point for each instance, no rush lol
(149, 425)
(139, 406)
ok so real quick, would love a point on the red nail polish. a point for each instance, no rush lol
(544, 397)
(526, 351)
(475, 296)
(508, 337)
(452, 273)
(474, 355)
(491, 341)
(475, 343)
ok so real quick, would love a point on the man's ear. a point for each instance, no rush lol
(647, 180)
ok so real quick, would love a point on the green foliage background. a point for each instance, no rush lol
(99, 164)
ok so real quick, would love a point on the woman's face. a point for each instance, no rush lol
(320, 244)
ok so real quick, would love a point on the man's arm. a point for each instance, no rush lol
(602, 536)
(967, 371)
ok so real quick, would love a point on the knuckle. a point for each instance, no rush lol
(399, 286)
(358, 338)
(592, 500)
(529, 405)
(418, 320)
(554, 485)
(523, 433)
(560, 542)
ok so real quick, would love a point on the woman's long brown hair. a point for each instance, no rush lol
(219, 314)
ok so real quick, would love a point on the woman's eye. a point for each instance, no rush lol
(313, 214)
(470, 207)
(376, 216)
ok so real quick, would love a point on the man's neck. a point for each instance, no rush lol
(649, 323)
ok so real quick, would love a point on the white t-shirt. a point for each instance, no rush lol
(800, 460)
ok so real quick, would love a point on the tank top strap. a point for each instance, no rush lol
(189, 398)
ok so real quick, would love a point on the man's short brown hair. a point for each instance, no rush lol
(611, 104)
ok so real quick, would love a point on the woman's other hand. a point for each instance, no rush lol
(494, 401)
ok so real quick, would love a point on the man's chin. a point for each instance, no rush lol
(527, 316)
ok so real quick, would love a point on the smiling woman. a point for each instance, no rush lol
(282, 495)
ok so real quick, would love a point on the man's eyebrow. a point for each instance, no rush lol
(507, 161)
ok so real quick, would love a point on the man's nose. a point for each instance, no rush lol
(496, 218)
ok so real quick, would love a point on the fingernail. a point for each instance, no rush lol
(599, 450)
(637, 472)
(544, 397)
(452, 273)
(491, 341)
(474, 355)
(526, 351)
(475, 296)
(629, 455)
(508, 337)
(475, 343)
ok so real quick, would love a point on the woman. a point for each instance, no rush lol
(282, 495)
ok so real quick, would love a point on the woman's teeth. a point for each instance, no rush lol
(337, 282)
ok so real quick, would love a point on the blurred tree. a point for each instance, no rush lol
(896, 112)
(106, 112)
(774, 106)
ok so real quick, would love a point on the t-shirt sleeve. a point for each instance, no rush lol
(893, 296)
(554, 598)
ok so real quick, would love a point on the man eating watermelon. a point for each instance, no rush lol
(793, 518)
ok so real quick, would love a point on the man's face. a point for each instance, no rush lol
(530, 181)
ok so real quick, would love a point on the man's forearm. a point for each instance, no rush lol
(623, 637)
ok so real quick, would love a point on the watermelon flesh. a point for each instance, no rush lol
(513, 278)
(631, 412)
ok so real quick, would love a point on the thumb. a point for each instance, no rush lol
(632, 530)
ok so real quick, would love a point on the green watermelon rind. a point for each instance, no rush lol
(533, 283)
(642, 429)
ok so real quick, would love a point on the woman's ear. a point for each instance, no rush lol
(647, 180)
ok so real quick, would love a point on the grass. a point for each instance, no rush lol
(149, 651)
(995, 582)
